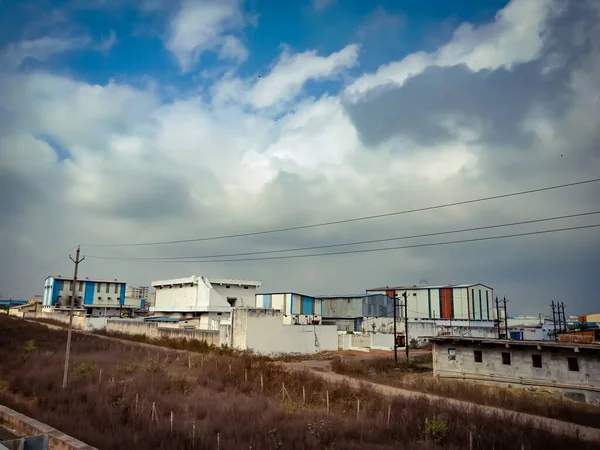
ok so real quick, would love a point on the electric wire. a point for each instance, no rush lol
(355, 219)
(433, 244)
(372, 241)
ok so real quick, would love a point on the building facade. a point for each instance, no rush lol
(206, 300)
(139, 293)
(373, 312)
(455, 301)
(571, 369)
(95, 297)
(297, 309)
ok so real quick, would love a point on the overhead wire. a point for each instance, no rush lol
(342, 221)
(433, 244)
(372, 241)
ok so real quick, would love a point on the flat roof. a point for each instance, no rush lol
(418, 287)
(212, 280)
(514, 343)
(341, 297)
(95, 280)
(289, 292)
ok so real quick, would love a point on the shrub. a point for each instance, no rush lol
(29, 346)
(435, 429)
(84, 367)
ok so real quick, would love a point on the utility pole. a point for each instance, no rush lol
(553, 319)
(405, 295)
(77, 260)
(498, 315)
(564, 317)
(505, 318)
(395, 298)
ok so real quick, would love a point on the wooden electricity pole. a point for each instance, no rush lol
(405, 295)
(395, 299)
(77, 260)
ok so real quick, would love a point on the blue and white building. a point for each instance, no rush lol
(297, 309)
(93, 296)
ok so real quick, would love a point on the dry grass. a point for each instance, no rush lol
(416, 375)
(218, 398)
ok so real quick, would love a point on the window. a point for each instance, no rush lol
(573, 364)
(116, 288)
(107, 287)
(68, 285)
(506, 358)
(80, 286)
(227, 287)
(451, 354)
(99, 286)
(536, 361)
(477, 356)
(245, 287)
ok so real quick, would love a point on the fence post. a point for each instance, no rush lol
(262, 386)
(100, 376)
(357, 408)
(194, 433)
(389, 414)
(470, 440)
(218, 441)
(327, 399)
(303, 395)
(171, 422)
(246, 375)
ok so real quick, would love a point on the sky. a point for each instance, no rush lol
(132, 122)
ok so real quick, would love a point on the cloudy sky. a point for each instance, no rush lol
(125, 122)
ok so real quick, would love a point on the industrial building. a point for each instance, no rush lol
(207, 300)
(571, 369)
(297, 309)
(93, 296)
(453, 301)
(140, 293)
(363, 312)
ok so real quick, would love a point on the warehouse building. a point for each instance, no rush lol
(571, 369)
(453, 301)
(362, 312)
(206, 300)
(297, 309)
(93, 296)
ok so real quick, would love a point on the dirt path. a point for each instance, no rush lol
(323, 369)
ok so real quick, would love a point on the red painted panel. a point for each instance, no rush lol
(446, 303)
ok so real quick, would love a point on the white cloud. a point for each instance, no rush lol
(206, 25)
(41, 49)
(142, 169)
(292, 71)
(515, 36)
(105, 45)
(321, 5)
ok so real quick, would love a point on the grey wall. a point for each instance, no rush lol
(554, 373)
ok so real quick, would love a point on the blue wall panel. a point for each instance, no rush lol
(56, 291)
(266, 300)
(90, 287)
(122, 295)
(307, 306)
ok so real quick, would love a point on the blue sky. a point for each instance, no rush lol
(386, 30)
(127, 121)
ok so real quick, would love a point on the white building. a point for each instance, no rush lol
(297, 309)
(207, 299)
(140, 293)
(93, 296)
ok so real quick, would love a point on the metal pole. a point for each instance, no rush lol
(395, 341)
(564, 317)
(405, 295)
(553, 319)
(505, 318)
(498, 315)
(73, 286)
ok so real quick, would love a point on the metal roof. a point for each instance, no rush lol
(418, 287)
(515, 343)
(212, 280)
(335, 297)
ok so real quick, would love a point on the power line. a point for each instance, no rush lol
(372, 241)
(433, 244)
(355, 219)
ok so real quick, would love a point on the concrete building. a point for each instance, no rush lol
(297, 309)
(138, 293)
(571, 369)
(453, 301)
(93, 296)
(358, 312)
(207, 300)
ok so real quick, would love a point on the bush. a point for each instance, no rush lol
(435, 429)
(84, 367)
(29, 346)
